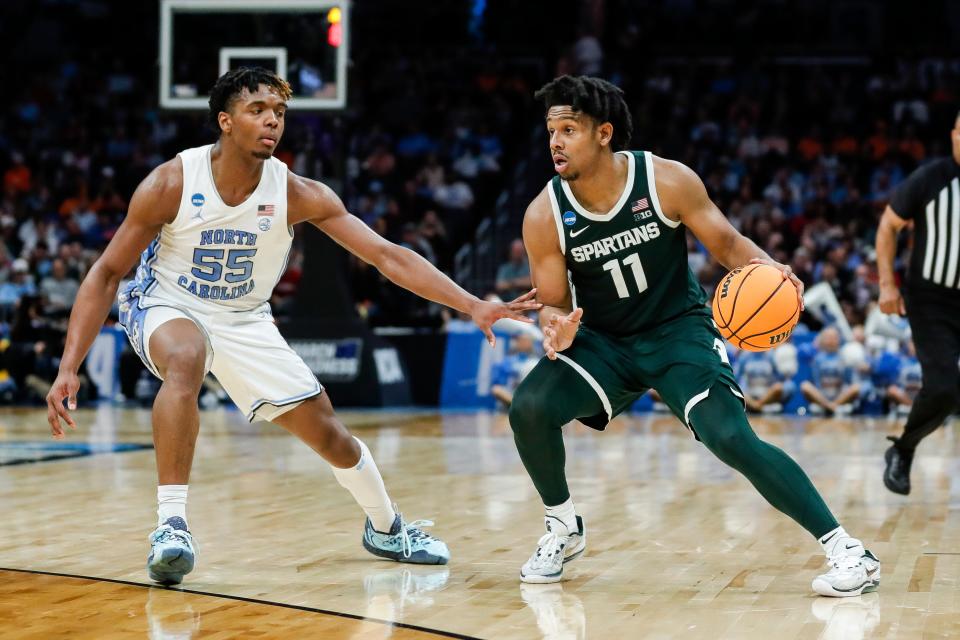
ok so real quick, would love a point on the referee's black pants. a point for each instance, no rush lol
(935, 323)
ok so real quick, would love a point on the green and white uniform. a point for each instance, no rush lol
(645, 320)
(645, 325)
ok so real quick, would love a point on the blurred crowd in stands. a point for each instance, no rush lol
(802, 157)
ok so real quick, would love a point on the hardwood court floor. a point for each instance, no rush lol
(678, 545)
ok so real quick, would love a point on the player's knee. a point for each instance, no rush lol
(333, 439)
(184, 365)
(721, 424)
(731, 444)
(526, 412)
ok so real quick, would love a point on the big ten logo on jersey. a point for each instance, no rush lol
(213, 265)
(641, 209)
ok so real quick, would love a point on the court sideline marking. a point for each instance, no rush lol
(352, 616)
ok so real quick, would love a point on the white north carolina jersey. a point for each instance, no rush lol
(214, 257)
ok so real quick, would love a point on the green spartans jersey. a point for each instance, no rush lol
(627, 268)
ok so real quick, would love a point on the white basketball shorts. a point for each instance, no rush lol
(263, 376)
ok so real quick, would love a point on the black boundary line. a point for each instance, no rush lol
(71, 456)
(352, 616)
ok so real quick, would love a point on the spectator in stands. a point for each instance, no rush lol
(431, 176)
(832, 389)
(765, 388)
(454, 195)
(38, 230)
(434, 232)
(35, 345)
(18, 178)
(903, 392)
(20, 283)
(59, 289)
(513, 276)
(812, 181)
(885, 363)
(510, 371)
(8, 387)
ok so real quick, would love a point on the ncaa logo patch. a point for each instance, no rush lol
(197, 199)
(264, 224)
(569, 218)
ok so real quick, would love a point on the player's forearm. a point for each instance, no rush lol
(886, 253)
(94, 299)
(411, 271)
(738, 251)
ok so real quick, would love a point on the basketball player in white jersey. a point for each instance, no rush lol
(213, 228)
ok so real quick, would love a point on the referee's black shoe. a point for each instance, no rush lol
(896, 476)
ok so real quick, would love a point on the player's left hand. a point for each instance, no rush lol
(485, 313)
(788, 274)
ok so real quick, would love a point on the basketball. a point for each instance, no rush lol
(755, 308)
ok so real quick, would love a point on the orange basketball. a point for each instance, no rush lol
(755, 308)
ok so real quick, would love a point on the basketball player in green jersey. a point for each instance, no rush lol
(623, 313)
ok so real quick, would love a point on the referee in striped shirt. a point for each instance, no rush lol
(930, 198)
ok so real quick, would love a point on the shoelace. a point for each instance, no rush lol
(845, 562)
(410, 532)
(548, 545)
(167, 533)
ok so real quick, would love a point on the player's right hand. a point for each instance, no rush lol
(560, 332)
(65, 387)
(891, 301)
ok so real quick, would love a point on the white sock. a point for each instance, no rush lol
(363, 481)
(838, 541)
(566, 514)
(171, 501)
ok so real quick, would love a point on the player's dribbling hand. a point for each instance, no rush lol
(560, 332)
(485, 313)
(65, 387)
(891, 301)
(788, 274)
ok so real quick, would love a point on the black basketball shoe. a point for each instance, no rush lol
(896, 476)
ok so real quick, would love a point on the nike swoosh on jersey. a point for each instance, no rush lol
(574, 234)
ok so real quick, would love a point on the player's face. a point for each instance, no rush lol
(255, 121)
(575, 141)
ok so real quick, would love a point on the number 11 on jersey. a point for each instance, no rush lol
(633, 261)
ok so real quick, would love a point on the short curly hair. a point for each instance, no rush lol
(599, 99)
(230, 85)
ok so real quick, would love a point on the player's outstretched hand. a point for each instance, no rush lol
(560, 332)
(788, 274)
(891, 301)
(486, 313)
(65, 387)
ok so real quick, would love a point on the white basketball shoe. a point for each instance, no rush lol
(555, 548)
(172, 552)
(853, 571)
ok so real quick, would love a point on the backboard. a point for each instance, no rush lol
(305, 41)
